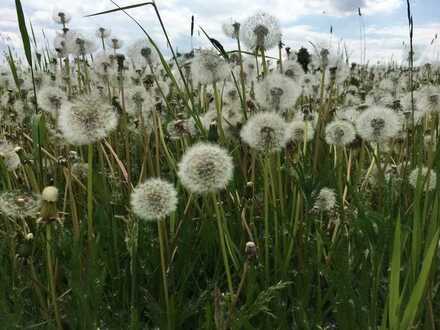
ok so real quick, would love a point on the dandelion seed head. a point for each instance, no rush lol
(142, 54)
(231, 28)
(51, 99)
(61, 16)
(261, 30)
(293, 70)
(340, 133)
(9, 156)
(300, 131)
(103, 33)
(205, 168)
(208, 67)
(154, 199)
(86, 121)
(325, 200)
(114, 43)
(378, 124)
(276, 92)
(265, 131)
(180, 128)
(77, 44)
(18, 204)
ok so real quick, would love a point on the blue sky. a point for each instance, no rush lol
(303, 21)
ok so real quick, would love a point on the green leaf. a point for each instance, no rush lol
(23, 31)
(10, 59)
(121, 9)
(417, 294)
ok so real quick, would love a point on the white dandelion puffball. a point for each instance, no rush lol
(18, 204)
(378, 124)
(61, 17)
(142, 54)
(340, 133)
(277, 92)
(154, 199)
(265, 131)
(208, 67)
(10, 158)
(293, 70)
(77, 44)
(103, 33)
(51, 99)
(205, 168)
(429, 183)
(87, 120)
(300, 131)
(231, 28)
(180, 128)
(430, 99)
(261, 31)
(326, 200)
(114, 43)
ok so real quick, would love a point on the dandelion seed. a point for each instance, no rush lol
(154, 199)
(265, 131)
(205, 168)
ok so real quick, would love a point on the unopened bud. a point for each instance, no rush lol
(251, 250)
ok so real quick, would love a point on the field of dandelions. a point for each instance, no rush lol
(218, 189)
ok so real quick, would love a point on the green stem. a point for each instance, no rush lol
(163, 265)
(51, 275)
(222, 242)
(90, 234)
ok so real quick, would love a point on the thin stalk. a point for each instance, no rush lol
(51, 276)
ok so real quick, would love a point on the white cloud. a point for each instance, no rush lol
(382, 42)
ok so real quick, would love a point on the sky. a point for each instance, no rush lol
(302, 21)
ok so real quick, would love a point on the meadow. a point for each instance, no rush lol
(215, 189)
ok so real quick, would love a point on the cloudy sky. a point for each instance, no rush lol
(302, 21)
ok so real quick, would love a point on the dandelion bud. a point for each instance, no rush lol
(49, 210)
(50, 194)
(251, 250)
(154, 199)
